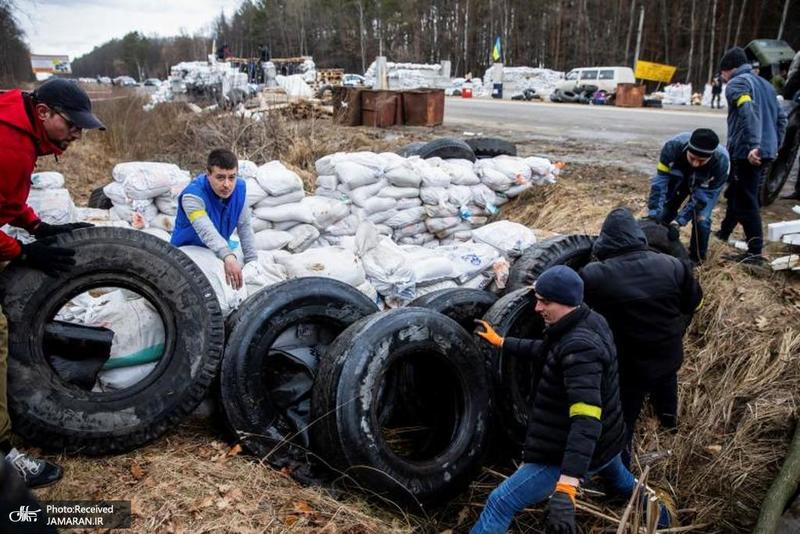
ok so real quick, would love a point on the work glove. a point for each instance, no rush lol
(49, 259)
(673, 231)
(489, 334)
(44, 230)
(561, 511)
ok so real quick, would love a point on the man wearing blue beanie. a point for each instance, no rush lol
(575, 425)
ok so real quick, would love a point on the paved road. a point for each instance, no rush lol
(580, 122)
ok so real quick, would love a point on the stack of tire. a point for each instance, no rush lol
(470, 149)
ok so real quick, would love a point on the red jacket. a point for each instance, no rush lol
(21, 142)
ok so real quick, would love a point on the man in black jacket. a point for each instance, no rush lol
(647, 299)
(575, 423)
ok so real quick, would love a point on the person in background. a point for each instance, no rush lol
(648, 299)
(46, 121)
(716, 91)
(210, 208)
(779, 81)
(575, 423)
(694, 166)
(756, 126)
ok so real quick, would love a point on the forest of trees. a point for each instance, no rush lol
(557, 34)
(15, 63)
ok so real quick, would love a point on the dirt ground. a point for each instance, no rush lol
(193, 481)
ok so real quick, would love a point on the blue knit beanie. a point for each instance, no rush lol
(560, 284)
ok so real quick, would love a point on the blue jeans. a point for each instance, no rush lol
(532, 484)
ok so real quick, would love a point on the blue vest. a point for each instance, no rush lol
(224, 213)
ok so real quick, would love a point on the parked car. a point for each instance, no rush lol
(352, 80)
(124, 81)
(602, 78)
(152, 82)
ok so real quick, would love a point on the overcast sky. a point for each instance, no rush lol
(75, 27)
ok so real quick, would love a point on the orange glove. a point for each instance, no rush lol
(489, 334)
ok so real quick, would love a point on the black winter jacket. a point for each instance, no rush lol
(575, 419)
(646, 297)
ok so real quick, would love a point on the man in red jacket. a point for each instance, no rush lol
(35, 124)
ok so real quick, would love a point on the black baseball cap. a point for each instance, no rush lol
(67, 97)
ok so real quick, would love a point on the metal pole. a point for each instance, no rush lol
(639, 36)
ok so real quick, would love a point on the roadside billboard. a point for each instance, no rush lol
(47, 64)
(657, 72)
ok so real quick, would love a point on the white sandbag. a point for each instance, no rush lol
(247, 169)
(405, 203)
(406, 217)
(354, 174)
(410, 230)
(459, 195)
(276, 254)
(469, 259)
(448, 232)
(441, 210)
(378, 204)
(53, 206)
(270, 201)
(509, 238)
(432, 176)
(166, 204)
(516, 190)
(146, 179)
(328, 181)
(138, 331)
(360, 195)
(398, 193)
(332, 262)
(480, 281)
(255, 193)
(437, 224)
(92, 215)
(494, 179)
(272, 239)
(461, 171)
(376, 162)
(164, 222)
(389, 270)
(384, 229)
(47, 180)
(214, 269)
(325, 164)
(390, 159)
(129, 213)
(259, 275)
(346, 226)
(428, 265)
(158, 232)
(417, 240)
(330, 193)
(540, 166)
(484, 197)
(434, 195)
(277, 180)
(286, 212)
(403, 174)
(514, 167)
(369, 290)
(381, 217)
(477, 221)
(302, 237)
(115, 191)
(325, 211)
(259, 224)
(463, 235)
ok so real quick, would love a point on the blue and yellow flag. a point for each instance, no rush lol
(496, 51)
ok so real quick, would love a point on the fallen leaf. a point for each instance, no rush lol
(303, 507)
(235, 450)
(290, 520)
(137, 471)
(714, 449)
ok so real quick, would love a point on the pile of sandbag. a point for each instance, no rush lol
(517, 79)
(678, 94)
(50, 200)
(144, 193)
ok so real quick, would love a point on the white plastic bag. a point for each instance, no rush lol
(53, 206)
(147, 179)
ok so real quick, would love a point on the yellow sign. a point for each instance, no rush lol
(645, 70)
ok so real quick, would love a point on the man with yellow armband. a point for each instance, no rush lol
(575, 425)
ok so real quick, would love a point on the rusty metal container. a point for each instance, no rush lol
(347, 105)
(629, 95)
(381, 108)
(423, 107)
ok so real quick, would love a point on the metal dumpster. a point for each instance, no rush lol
(629, 95)
(381, 108)
(423, 107)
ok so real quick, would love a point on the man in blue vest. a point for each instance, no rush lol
(756, 126)
(694, 166)
(210, 208)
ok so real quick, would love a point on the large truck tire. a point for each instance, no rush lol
(53, 414)
(446, 148)
(432, 444)
(275, 343)
(461, 304)
(572, 250)
(99, 200)
(489, 147)
(778, 172)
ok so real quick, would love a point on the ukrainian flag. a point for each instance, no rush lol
(496, 51)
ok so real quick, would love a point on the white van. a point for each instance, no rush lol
(605, 78)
